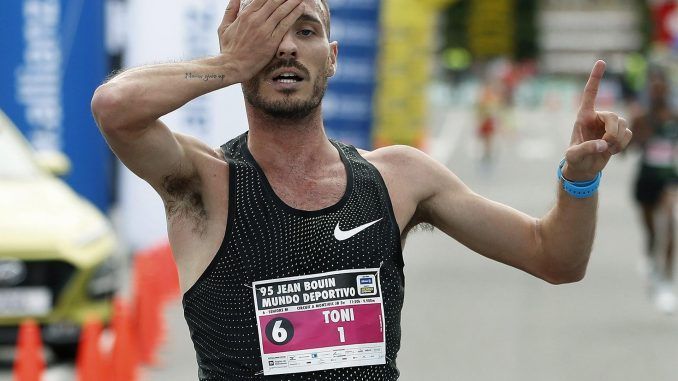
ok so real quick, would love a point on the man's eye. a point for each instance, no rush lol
(306, 32)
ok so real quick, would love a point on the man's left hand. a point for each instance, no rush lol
(597, 135)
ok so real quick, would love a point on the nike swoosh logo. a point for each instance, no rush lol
(341, 235)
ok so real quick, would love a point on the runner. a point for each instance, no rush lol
(288, 244)
(488, 108)
(656, 134)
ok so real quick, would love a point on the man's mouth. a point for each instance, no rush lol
(287, 78)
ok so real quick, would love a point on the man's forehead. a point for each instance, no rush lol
(319, 5)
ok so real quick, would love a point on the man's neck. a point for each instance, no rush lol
(278, 143)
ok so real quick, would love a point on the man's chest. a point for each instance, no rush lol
(309, 193)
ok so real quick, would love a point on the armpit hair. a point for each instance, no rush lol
(415, 227)
(422, 227)
(183, 201)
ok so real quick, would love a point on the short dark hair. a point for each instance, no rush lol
(326, 16)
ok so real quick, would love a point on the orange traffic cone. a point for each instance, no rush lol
(89, 363)
(106, 358)
(167, 284)
(147, 312)
(30, 363)
(169, 274)
(156, 282)
(125, 361)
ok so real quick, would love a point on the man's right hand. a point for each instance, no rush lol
(249, 38)
(128, 108)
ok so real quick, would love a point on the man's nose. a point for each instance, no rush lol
(288, 47)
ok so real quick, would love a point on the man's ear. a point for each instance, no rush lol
(334, 52)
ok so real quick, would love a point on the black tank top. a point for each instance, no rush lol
(267, 239)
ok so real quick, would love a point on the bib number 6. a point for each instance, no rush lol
(279, 331)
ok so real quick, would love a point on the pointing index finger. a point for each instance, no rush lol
(591, 90)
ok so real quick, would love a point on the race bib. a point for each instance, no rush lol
(321, 321)
(659, 153)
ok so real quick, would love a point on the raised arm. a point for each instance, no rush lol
(128, 107)
(556, 247)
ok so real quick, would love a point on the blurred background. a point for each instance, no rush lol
(488, 87)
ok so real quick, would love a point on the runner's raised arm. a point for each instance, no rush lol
(128, 107)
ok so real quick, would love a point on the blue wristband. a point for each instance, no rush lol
(579, 189)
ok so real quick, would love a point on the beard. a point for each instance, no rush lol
(287, 108)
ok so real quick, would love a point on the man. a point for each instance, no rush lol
(288, 244)
(656, 135)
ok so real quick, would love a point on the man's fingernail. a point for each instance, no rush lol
(601, 145)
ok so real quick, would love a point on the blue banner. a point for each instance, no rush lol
(348, 105)
(53, 58)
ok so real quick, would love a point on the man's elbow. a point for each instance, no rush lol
(565, 278)
(107, 105)
(558, 276)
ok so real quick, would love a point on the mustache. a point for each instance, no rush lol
(283, 63)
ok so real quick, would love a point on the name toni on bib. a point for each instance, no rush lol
(321, 321)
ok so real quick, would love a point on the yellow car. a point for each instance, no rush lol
(58, 253)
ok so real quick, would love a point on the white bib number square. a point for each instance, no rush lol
(321, 321)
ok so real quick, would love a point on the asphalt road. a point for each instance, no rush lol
(468, 318)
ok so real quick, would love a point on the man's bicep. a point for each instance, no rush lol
(449, 201)
(152, 153)
(489, 228)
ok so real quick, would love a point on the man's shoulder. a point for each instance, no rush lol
(195, 148)
(398, 155)
(410, 174)
(405, 165)
(408, 165)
